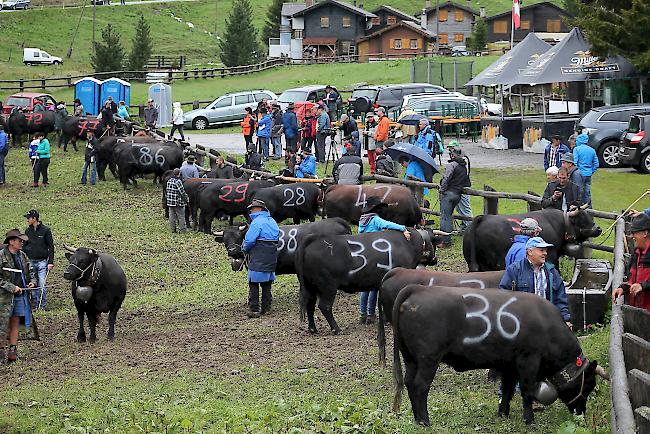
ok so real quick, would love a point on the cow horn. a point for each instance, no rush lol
(601, 372)
(573, 213)
(69, 249)
(218, 234)
(242, 227)
(584, 207)
(441, 233)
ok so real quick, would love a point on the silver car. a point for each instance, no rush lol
(227, 109)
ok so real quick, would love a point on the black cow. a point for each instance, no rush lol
(346, 201)
(489, 237)
(230, 199)
(354, 263)
(77, 127)
(297, 201)
(135, 158)
(291, 236)
(98, 285)
(519, 334)
(398, 278)
(20, 123)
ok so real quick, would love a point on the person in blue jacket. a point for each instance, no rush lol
(587, 161)
(290, 127)
(414, 172)
(260, 244)
(528, 228)
(371, 222)
(554, 152)
(264, 132)
(306, 165)
(428, 139)
(534, 275)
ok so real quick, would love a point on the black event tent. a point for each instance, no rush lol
(507, 68)
(571, 60)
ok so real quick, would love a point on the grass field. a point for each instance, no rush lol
(187, 360)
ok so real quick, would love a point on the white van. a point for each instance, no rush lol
(34, 56)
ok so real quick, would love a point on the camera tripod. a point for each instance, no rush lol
(333, 152)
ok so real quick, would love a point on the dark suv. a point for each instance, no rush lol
(605, 126)
(635, 143)
(367, 98)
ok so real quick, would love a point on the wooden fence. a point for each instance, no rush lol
(169, 76)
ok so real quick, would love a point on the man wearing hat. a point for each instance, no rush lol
(455, 179)
(562, 193)
(349, 168)
(534, 275)
(464, 207)
(528, 228)
(150, 115)
(276, 130)
(290, 127)
(260, 244)
(574, 174)
(16, 276)
(554, 152)
(384, 164)
(177, 199)
(323, 124)
(637, 286)
(40, 250)
(189, 169)
(371, 222)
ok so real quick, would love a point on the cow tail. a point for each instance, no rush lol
(381, 333)
(473, 240)
(300, 264)
(398, 376)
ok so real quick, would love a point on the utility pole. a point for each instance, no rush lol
(216, 16)
(94, 15)
(437, 26)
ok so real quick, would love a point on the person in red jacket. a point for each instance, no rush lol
(308, 130)
(248, 127)
(637, 287)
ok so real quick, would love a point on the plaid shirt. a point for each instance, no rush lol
(175, 192)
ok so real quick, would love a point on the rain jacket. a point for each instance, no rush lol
(264, 126)
(371, 222)
(290, 124)
(307, 167)
(415, 170)
(261, 242)
(517, 251)
(584, 156)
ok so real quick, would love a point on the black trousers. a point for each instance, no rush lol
(292, 143)
(320, 147)
(254, 296)
(249, 140)
(307, 143)
(180, 130)
(40, 168)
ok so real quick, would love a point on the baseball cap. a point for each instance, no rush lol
(537, 243)
(529, 224)
(32, 213)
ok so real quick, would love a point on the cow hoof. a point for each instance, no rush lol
(503, 414)
(424, 422)
(92, 339)
(81, 338)
(312, 330)
(110, 337)
(336, 331)
(529, 421)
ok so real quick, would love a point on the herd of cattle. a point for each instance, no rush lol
(436, 316)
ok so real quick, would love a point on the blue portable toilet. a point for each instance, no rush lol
(87, 90)
(119, 89)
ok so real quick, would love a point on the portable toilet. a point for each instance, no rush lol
(161, 94)
(115, 87)
(87, 90)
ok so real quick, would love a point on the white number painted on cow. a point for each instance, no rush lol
(388, 188)
(433, 279)
(146, 159)
(281, 240)
(473, 283)
(296, 198)
(377, 246)
(488, 323)
(291, 242)
(362, 198)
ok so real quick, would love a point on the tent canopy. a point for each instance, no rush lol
(571, 60)
(507, 68)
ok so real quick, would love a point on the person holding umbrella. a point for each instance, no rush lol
(414, 172)
(456, 178)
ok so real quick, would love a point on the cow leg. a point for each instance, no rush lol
(92, 323)
(113, 168)
(325, 304)
(81, 334)
(311, 309)
(508, 383)
(112, 317)
(419, 390)
(296, 220)
(527, 367)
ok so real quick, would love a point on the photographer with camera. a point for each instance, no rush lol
(562, 193)
(323, 129)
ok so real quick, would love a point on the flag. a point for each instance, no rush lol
(516, 14)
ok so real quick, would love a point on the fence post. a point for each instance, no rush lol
(22, 85)
(490, 204)
(428, 71)
(532, 206)
(455, 76)
(42, 84)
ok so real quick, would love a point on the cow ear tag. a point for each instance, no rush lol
(578, 362)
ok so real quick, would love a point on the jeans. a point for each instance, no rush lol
(307, 143)
(177, 214)
(39, 293)
(180, 130)
(586, 193)
(448, 201)
(2, 168)
(292, 143)
(254, 296)
(368, 302)
(40, 168)
(277, 146)
(264, 146)
(93, 172)
(464, 208)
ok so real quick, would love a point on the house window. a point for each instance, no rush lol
(324, 22)
(391, 19)
(460, 15)
(347, 21)
(501, 26)
(525, 25)
(345, 47)
(444, 14)
(553, 26)
(297, 34)
(397, 44)
(376, 21)
(443, 39)
(413, 44)
(459, 37)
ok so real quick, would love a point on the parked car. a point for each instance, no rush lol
(312, 93)
(442, 105)
(35, 56)
(368, 98)
(26, 101)
(15, 4)
(459, 51)
(407, 99)
(605, 125)
(634, 149)
(227, 109)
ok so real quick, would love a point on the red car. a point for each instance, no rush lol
(26, 101)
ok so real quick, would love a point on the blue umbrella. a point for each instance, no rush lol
(413, 152)
(411, 120)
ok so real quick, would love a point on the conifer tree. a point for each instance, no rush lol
(239, 45)
(142, 46)
(109, 53)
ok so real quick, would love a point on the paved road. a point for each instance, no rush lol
(479, 157)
